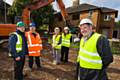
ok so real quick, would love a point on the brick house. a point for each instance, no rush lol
(102, 17)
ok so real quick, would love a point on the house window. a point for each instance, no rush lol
(107, 17)
(75, 16)
(90, 13)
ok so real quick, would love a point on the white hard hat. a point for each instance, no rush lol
(56, 28)
(66, 28)
(86, 20)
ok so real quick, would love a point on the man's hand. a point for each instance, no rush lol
(17, 59)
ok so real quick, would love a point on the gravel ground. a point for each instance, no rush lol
(63, 71)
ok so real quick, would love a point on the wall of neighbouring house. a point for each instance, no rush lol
(107, 26)
(94, 17)
(58, 21)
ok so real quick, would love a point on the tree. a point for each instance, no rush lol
(40, 16)
(117, 24)
(17, 7)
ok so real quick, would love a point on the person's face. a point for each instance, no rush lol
(66, 31)
(85, 30)
(22, 29)
(57, 31)
(32, 29)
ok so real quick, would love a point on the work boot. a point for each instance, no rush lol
(55, 62)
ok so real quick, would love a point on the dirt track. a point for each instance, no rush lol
(49, 71)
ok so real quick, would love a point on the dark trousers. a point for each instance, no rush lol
(77, 71)
(31, 61)
(92, 74)
(64, 53)
(18, 69)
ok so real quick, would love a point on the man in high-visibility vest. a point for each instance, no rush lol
(56, 44)
(66, 41)
(34, 46)
(94, 54)
(18, 49)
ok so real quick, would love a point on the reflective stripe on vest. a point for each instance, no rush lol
(34, 44)
(19, 42)
(30, 42)
(66, 40)
(34, 51)
(88, 56)
(56, 41)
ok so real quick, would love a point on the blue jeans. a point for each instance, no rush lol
(56, 55)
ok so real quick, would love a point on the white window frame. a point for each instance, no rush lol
(107, 17)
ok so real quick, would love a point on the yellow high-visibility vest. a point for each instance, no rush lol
(88, 56)
(56, 41)
(19, 42)
(66, 40)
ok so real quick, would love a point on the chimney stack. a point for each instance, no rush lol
(75, 3)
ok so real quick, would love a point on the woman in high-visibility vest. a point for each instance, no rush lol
(66, 40)
(56, 44)
(34, 46)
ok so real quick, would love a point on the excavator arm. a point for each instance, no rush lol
(63, 10)
(36, 4)
(39, 4)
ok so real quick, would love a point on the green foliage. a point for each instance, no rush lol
(40, 16)
(115, 47)
(118, 22)
(17, 7)
(115, 50)
(43, 27)
(75, 46)
(117, 25)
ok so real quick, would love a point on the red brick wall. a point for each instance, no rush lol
(97, 18)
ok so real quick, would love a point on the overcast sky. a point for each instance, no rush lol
(114, 4)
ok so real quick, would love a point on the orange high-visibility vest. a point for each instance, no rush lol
(34, 44)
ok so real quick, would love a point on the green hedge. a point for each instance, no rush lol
(115, 47)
